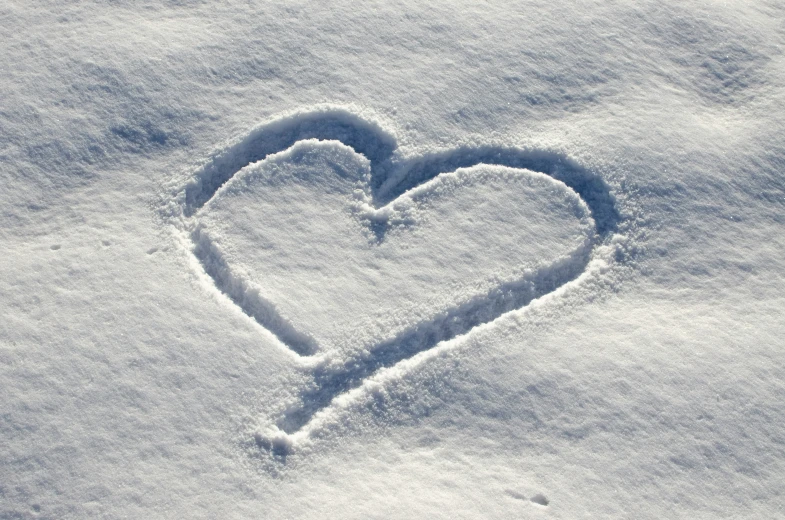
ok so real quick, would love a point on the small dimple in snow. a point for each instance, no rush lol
(514, 494)
(540, 500)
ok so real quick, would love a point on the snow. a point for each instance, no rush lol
(392, 260)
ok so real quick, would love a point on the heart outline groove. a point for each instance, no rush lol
(391, 177)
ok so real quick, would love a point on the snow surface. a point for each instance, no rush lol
(392, 260)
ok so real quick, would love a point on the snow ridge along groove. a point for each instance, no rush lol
(391, 177)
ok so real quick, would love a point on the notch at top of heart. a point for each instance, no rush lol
(391, 174)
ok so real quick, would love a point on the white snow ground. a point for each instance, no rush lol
(650, 383)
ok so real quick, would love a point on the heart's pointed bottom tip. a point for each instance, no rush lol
(275, 441)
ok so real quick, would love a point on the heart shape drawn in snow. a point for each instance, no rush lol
(356, 258)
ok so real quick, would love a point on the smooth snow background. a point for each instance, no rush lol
(655, 391)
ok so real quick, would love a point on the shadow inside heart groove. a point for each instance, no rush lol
(391, 176)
